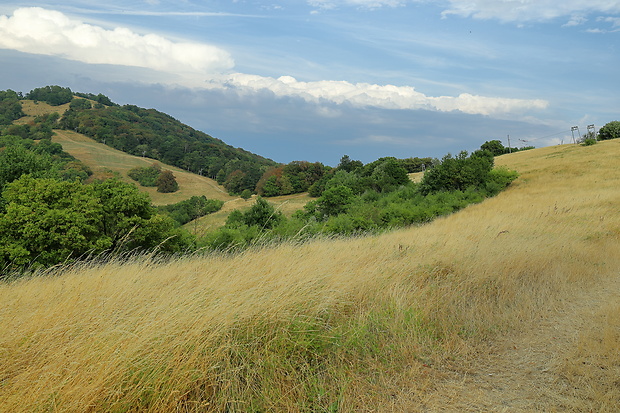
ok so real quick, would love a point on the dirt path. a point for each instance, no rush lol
(520, 374)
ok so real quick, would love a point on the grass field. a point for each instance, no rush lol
(104, 161)
(33, 109)
(396, 322)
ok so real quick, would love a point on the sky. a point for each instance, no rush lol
(317, 79)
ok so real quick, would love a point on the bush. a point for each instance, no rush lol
(191, 209)
(80, 104)
(499, 178)
(145, 176)
(166, 182)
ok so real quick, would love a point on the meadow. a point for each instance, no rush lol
(410, 320)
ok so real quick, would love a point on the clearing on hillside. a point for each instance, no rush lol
(104, 160)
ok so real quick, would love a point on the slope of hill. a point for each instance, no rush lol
(103, 160)
(148, 132)
(140, 132)
(469, 313)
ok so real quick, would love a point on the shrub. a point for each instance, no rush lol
(190, 209)
(145, 176)
(166, 182)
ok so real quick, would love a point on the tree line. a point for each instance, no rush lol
(368, 198)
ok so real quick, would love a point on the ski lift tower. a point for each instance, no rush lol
(572, 130)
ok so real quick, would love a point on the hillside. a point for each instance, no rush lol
(103, 159)
(140, 132)
(508, 305)
(150, 133)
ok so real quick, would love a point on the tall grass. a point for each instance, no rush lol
(363, 324)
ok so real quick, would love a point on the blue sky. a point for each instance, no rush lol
(314, 80)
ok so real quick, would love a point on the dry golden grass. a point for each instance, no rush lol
(368, 324)
(32, 110)
(104, 161)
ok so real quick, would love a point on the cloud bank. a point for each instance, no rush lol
(47, 32)
(381, 96)
(41, 31)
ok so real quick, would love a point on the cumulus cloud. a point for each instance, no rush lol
(381, 96)
(41, 31)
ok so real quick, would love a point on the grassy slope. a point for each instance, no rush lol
(376, 323)
(102, 159)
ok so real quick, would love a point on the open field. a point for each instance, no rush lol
(508, 305)
(33, 109)
(104, 160)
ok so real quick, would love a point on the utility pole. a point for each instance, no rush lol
(509, 148)
(591, 132)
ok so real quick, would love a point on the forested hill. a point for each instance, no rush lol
(150, 133)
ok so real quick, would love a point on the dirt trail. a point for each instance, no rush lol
(520, 374)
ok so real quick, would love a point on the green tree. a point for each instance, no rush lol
(262, 214)
(458, 173)
(54, 95)
(166, 182)
(129, 221)
(388, 175)
(10, 107)
(348, 165)
(335, 200)
(610, 131)
(49, 221)
(246, 194)
(17, 160)
(495, 147)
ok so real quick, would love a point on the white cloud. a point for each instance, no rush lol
(576, 20)
(529, 10)
(381, 96)
(504, 10)
(369, 4)
(41, 31)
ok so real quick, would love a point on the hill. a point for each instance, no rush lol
(150, 133)
(507, 305)
(104, 160)
(137, 131)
